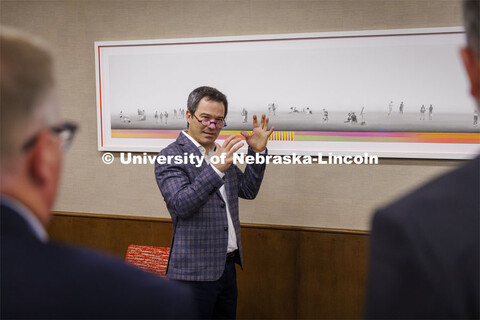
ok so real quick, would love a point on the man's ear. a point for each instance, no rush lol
(189, 116)
(40, 159)
(472, 65)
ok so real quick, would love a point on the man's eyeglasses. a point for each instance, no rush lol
(65, 131)
(205, 122)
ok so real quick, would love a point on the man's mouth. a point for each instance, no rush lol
(210, 134)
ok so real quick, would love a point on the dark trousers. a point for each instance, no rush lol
(217, 299)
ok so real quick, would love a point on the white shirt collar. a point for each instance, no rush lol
(27, 215)
(199, 146)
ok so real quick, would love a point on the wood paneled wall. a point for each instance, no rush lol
(289, 272)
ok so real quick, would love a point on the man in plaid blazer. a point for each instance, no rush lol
(202, 199)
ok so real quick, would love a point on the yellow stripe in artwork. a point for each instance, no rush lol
(276, 135)
(282, 136)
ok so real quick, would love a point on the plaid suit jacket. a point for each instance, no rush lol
(200, 227)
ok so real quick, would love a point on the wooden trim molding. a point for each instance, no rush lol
(289, 272)
(243, 225)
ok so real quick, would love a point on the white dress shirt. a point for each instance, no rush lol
(232, 237)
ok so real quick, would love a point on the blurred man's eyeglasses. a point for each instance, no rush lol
(205, 122)
(65, 131)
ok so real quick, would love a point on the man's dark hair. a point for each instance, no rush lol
(210, 93)
(471, 13)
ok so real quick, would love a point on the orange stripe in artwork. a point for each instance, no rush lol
(100, 96)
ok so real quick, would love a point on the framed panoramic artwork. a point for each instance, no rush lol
(392, 93)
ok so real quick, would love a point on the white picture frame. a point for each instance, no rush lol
(293, 78)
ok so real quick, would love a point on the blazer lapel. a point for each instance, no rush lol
(228, 186)
(190, 148)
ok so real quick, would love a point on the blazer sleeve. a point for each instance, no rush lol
(250, 180)
(183, 196)
(401, 281)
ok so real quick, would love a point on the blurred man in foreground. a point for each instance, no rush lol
(424, 260)
(40, 279)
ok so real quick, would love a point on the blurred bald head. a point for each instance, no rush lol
(26, 90)
(471, 13)
(31, 153)
(471, 53)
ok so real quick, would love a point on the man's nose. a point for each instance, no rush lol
(212, 125)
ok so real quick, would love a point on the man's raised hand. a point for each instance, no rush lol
(226, 151)
(257, 140)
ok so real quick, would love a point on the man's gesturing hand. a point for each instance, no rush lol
(257, 140)
(229, 147)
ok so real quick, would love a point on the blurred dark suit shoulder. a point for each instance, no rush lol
(45, 280)
(424, 251)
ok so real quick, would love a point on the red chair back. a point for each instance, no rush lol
(148, 258)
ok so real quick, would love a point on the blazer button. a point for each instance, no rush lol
(225, 229)
(222, 205)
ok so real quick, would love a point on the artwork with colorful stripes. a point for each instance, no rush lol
(398, 93)
(411, 137)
